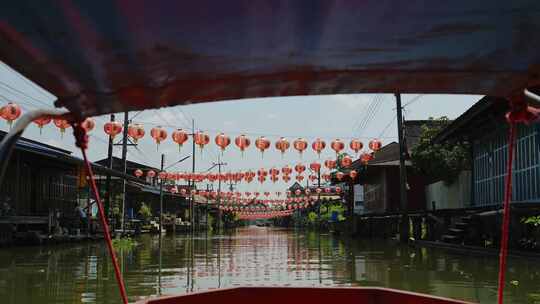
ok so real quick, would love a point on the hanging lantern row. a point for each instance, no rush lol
(11, 111)
(250, 198)
(247, 176)
(262, 215)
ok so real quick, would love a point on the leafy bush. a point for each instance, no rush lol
(531, 220)
(145, 211)
(441, 161)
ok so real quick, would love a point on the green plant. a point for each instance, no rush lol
(531, 220)
(145, 211)
(125, 243)
(312, 217)
(439, 161)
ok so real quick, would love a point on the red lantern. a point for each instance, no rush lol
(111, 128)
(262, 172)
(41, 122)
(10, 112)
(63, 124)
(353, 174)
(326, 177)
(338, 190)
(337, 145)
(274, 171)
(299, 178)
(340, 175)
(300, 145)
(327, 190)
(299, 168)
(201, 139)
(222, 141)
(262, 144)
(286, 170)
(346, 161)
(366, 157)
(151, 173)
(136, 132)
(242, 142)
(88, 124)
(158, 134)
(318, 145)
(282, 145)
(180, 137)
(138, 173)
(375, 145)
(315, 166)
(286, 178)
(330, 164)
(356, 145)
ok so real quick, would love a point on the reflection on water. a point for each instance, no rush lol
(82, 273)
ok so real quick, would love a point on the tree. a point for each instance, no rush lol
(439, 161)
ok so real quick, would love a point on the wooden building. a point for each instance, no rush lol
(380, 177)
(40, 178)
(485, 127)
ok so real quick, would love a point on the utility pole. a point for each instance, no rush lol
(191, 201)
(161, 196)
(124, 165)
(219, 164)
(404, 229)
(108, 181)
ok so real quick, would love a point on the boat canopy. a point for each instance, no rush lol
(100, 57)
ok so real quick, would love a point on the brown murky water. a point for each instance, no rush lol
(82, 273)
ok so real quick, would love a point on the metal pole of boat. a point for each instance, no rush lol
(404, 227)
(161, 197)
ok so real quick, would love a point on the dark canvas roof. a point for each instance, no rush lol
(108, 56)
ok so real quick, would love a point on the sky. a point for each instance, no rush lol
(363, 116)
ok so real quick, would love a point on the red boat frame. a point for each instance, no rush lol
(295, 295)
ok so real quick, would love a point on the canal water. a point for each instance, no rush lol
(257, 256)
